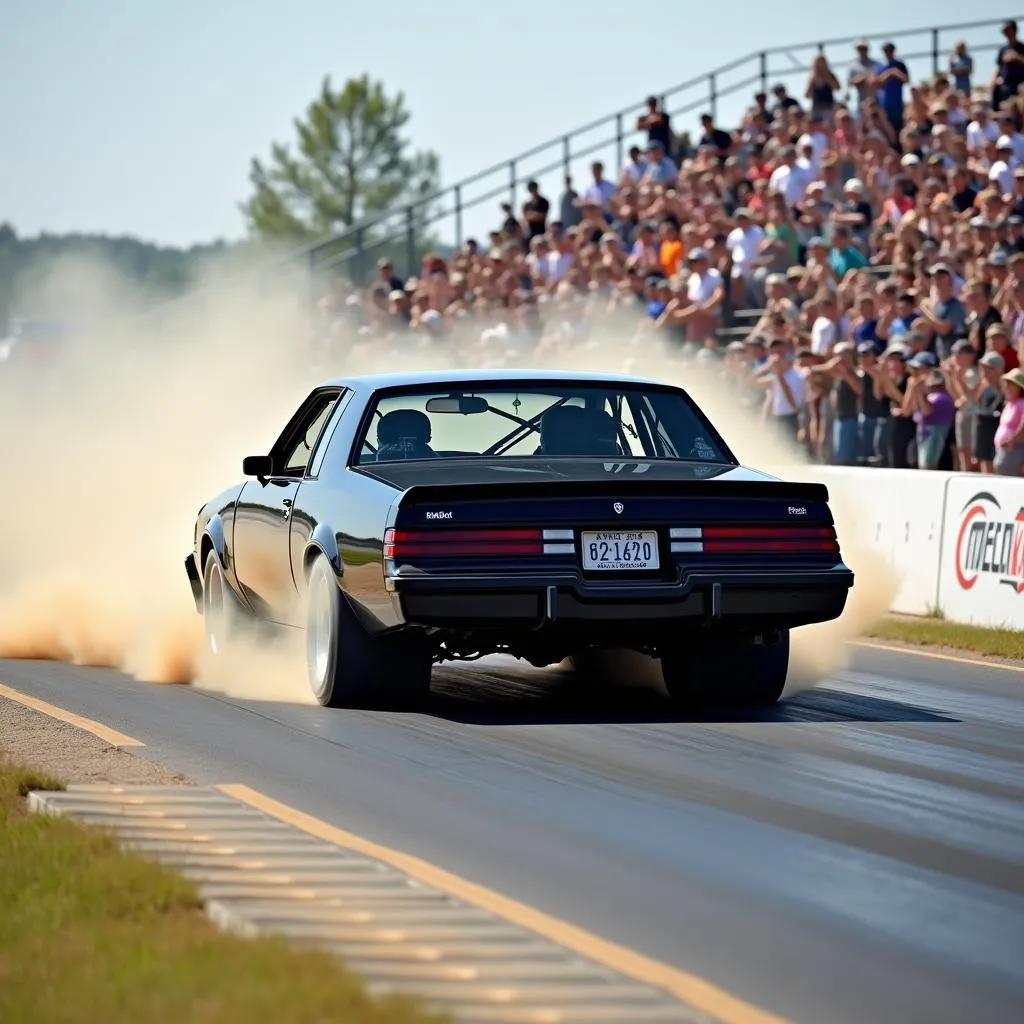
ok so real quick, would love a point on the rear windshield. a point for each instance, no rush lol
(538, 420)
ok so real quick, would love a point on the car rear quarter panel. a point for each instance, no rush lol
(344, 514)
(215, 531)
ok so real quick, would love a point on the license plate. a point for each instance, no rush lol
(620, 549)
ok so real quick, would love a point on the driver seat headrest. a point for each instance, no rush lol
(404, 425)
(574, 430)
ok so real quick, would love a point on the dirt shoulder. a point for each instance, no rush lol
(31, 738)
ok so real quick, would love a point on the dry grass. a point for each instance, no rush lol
(90, 932)
(936, 632)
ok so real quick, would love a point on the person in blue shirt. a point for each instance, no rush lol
(890, 81)
(842, 257)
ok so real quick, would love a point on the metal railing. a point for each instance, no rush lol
(400, 233)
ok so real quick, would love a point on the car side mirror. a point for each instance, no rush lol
(259, 466)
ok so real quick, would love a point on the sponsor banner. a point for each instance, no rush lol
(981, 577)
(896, 514)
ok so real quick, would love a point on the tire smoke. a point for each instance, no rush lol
(116, 439)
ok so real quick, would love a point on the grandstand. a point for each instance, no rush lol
(835, 230)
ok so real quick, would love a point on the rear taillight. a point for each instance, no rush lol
(729, 540)
(448, 543)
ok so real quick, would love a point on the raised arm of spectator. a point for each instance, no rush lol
(838, 368)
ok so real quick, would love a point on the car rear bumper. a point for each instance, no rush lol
(747, 598)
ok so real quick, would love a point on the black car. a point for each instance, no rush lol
(408, 519)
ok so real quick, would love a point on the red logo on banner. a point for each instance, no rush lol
(988, 543)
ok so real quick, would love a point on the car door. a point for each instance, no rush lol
(262, 555)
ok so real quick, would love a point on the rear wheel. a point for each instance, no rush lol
(728, 670)
(348, 667)
(222, 613)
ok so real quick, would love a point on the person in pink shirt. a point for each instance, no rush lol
(1010, 432)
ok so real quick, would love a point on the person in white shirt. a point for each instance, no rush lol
(744, 243)
(1001, 171)
(601, 190)
(699, 314)
(1008, 129)
(789, 180)
(787, 390)
(981, 131)
(634, 170)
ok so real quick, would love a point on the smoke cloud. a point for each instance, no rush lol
(114, 443)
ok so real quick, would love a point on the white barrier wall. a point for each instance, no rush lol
(956, 540)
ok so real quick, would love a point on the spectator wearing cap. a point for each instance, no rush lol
(961, 67)
(944, 311)
(1009, 75)
(657, 123)
(932, 408)
(963, 380)
(1001, 171)
(997, 340)
(874, 414)
(855, 214)
(989, 398)
(1009, 436)
(699, 309)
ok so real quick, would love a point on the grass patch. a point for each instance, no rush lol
(90, 932)
(935, 632)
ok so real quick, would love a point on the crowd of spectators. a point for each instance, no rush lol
(875, 225)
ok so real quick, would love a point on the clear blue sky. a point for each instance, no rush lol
(139, 117)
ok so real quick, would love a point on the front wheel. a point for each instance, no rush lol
(728, 669)
(348, 667)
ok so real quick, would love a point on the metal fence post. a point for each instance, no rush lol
(618, 145)
(935, 51)
(360, 258)
(764, 71)
(410, 239)
(512, 185)
(713, 96)
(566, 156)
(458, 216)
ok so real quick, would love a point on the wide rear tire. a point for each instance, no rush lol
(223, 614)
(346, 665)
(728, 670)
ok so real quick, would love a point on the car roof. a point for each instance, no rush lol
(411, 378)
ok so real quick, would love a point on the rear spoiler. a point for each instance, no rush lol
(616, 488)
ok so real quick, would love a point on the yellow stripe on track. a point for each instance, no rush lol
(104, 732)
(697, 992)
(976, 662)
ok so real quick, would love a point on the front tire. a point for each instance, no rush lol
(728, 670)
(348, 667)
